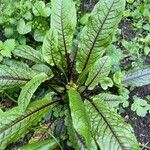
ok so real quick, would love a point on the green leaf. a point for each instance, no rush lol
(84, 19)
(146, 50)
(22, 27)
(29, 53)
(111, 99)
(14, 124)
(130, 1)
(132, 47)
(124, 92)
(140, 106)
(1, 58)
(28, 15)
(39, 35)
(117, 77)
(108, 128)
(11, 76)
(127, 13)
(39, 9)
(146, 27)
(18, 64)
(1, 112)
(97, 34)
(63, 19)
(100, 70)
(9, 44)
(146, 40)
(50, 47)
(106, 82)
(42, 145)
(116, 56)
(75, 139)
(146, 13)
(8, 32)
(141, 112)
(8, 47)
(79, 116)
(39, 68)
(137, 78)
(29, 89)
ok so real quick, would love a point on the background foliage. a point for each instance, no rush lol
(127, 65)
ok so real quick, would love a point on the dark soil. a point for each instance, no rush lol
(147, 60)
(127, 32)
(141, 125)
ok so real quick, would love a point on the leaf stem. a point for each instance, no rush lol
(73, 63)
(49, 84)
(55, 140)
(145, 146)
(12, 99)
(64, 40)
(57, 72)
